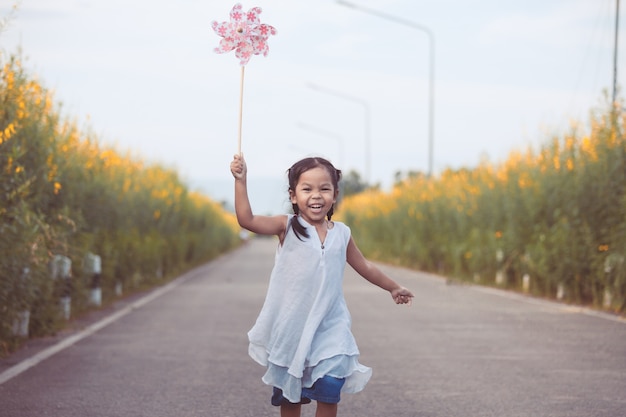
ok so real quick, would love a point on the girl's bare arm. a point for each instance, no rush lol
(373, 274)
(264, 225)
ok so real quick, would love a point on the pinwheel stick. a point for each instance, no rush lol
(240, 109)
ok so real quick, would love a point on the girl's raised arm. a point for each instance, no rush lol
(264, 225)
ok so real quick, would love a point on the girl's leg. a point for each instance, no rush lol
(290, 410)
(326, 410)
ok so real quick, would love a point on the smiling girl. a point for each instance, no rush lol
(302, 334)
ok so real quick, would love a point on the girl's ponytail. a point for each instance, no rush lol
(298, 228)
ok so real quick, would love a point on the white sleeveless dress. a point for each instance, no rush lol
(303, 330)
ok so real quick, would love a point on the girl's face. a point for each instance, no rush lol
(314, 195)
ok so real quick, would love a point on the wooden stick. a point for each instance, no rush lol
(240, 109)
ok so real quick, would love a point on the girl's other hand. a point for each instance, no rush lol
(402, 296)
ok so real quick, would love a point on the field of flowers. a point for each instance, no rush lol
(63, 193)
(548, 221)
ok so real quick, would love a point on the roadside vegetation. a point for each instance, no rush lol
(64, 196)
(549, 221)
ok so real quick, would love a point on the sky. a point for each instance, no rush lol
(338, 82)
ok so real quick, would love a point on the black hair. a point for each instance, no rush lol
(293, 175)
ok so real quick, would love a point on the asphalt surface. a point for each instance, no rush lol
(459, 350)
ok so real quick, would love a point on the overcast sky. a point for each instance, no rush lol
(143, 75)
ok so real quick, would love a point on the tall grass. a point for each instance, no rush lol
(64, 193)
(556, 214)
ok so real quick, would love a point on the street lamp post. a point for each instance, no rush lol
(431, 76)
(615, 54)
(366, 107)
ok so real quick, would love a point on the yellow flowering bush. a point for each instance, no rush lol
(556, 214)
(63, 193)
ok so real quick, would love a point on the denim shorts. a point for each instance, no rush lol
(327, 389)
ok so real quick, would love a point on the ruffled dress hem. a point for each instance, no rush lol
(340, 366)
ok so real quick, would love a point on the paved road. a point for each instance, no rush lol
(458, 351)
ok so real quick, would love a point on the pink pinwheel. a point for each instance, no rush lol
(247, 36)
(244, 33)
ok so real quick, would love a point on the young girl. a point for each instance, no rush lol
(302, 334)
